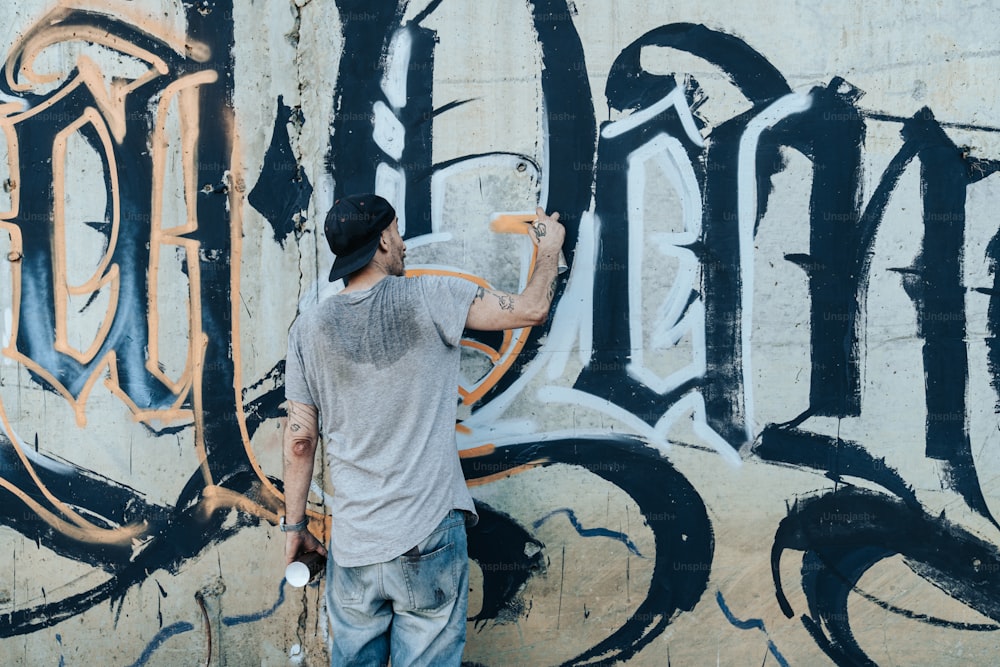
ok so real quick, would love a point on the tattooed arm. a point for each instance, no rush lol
(299, 450)
(493, 310)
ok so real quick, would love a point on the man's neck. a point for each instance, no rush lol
(364, 279)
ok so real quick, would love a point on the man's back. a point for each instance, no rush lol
(378, 365)
(381, 365)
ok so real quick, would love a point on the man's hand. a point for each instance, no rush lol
(547, 232)
(299, 543)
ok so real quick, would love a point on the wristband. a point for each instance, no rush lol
(292, 527)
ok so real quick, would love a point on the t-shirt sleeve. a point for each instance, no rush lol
(448, 298)
(296, 385)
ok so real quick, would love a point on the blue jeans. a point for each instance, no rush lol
(412, 607)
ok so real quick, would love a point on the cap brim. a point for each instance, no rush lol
(345, 265)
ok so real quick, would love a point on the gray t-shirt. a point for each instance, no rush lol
(382, 366)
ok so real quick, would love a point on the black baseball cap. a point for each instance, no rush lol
(353, 227)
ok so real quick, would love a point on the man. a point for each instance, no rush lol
(377, 367)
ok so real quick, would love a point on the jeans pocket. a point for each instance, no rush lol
(348, 584)
(431, 578)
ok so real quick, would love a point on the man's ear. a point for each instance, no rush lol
(383, 242)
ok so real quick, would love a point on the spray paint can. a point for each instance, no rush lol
(306, 569)
(561, 265)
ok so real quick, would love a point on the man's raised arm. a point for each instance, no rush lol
(495, 310)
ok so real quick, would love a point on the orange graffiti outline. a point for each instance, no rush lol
(490, 448)
(13, 162)
(272, 497)
(106, 274)
(507, 351)
(516, 470)
(481, 450)
(185, 91)
(513, 340)
(90, 532)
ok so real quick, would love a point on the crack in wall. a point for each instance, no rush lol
(294, 127)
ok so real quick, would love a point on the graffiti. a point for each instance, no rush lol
(750, 624)
(391, 155)
(283, 191)
(76, 512)
(845, 533)
(733, 175)
(670, 505)
(724, 186)
(661, 315)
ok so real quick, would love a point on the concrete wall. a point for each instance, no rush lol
(760, 427)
